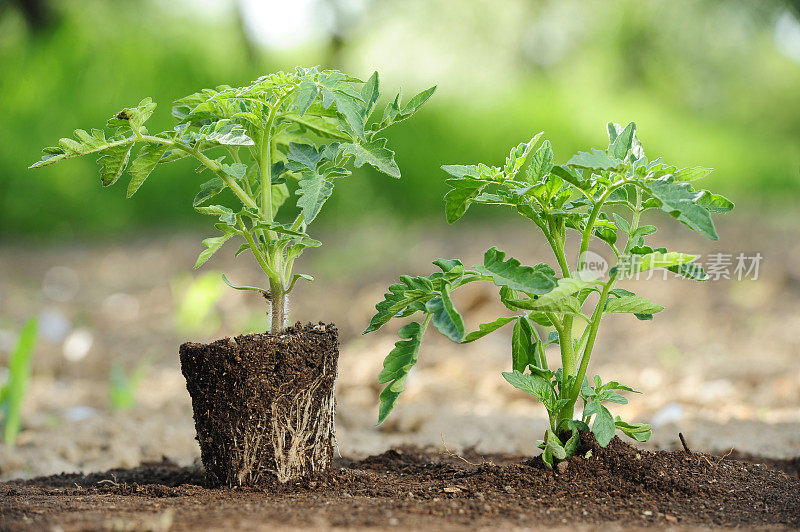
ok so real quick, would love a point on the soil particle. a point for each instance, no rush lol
(619, 485)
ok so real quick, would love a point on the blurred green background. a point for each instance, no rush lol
(708, 82)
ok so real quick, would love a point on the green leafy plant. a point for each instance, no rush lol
(284, 134)
(13, 391)
(599, 194)
(123, 385)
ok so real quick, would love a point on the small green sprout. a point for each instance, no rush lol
(590, 195)
(284, 134)
(13, 391)
(123, 385)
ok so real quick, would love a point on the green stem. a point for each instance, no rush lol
(587, 351)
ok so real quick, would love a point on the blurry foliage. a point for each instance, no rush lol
(123, 385)
(196, 300)
(12, 393)
(704, 78)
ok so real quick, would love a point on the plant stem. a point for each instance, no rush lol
(587, 351)
(279, 306)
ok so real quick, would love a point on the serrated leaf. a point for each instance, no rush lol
(713, 202)
(487, 328)
(541, 163)
(458, 198)
(208, 190)
(534, 385)
(303, 156)
(212, 245)
(678, 200)
(594, 160)
(143, 165)
(656, 259)
(692, 174)
(113, 162)
(511, 273)
(408, 291)
(445, 317)
(632, 304)
(306, 94)
(370, 92)
(313, 191)
(397, 365)
(375, 154)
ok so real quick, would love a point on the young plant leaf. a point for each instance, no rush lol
(375, 154)
(510, 273)
(445, 317)
(632, 304)
(397, 365)
(522, 345)
(486, 328)
(143, 165)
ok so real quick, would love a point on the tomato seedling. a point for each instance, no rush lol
(300, 129)
(602, 194)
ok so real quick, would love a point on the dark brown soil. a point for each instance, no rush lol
(263, 404)
(620, 486)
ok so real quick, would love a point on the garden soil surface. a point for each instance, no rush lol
(620, 486)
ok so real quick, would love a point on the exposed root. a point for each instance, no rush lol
(302, 433)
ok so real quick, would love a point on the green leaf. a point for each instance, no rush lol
(303, 156)
(594, 160)
(313, 191)
(541, 163)
(554, 445)
(461, 170)
(638, 431)
(564, 288)
(12, 394)
(375, 154)
(226, 215)
(656, 259)
(713, 202)
(113, 162)
(445, 317)
(85, 144)
(458, 198)
(143, 165)
(534, 385)
(306, 94)
(538, 279)
(632, 304)
(522, 345)
(213, 244)
(132, 119)
(678, 200)
(370, 92)
(692, 174)
(397, 365)
(409, 291)
(603, 426)
(487, 328)
(610, 396)
(518, 155)
(208, 190)
(623, 141)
